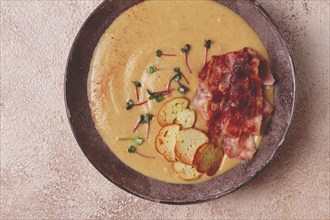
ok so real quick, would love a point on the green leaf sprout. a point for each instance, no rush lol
(131, 149)
(138, 140)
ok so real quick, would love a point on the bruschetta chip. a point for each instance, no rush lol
(166, 140)
(207, 158)
(186, 118)
(187, 142)
(186, 172)
(169, 111)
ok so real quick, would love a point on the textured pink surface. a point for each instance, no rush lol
(44, 174)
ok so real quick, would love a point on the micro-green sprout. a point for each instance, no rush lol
(138, 140)
(207, 45)
(186, 48)
(185, 51)
(130, 104)
(160, 53)
(177, 77)
(152, 69)
(158, 96)
(183, 89)
(132, 149)
(137, 86)
(177, 70)
(144, 119)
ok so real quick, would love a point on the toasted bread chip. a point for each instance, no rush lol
(169, 111)
(187, 142)
(186, 172)
(165, 141)
(208, 158)
(186, 118)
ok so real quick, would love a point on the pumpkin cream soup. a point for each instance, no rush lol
(181, 91)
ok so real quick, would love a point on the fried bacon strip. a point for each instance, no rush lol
(229, 97)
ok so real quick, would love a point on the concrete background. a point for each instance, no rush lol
(44, 174)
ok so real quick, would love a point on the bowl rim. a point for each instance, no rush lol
(165, 201)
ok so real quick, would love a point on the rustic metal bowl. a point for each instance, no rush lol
(111, 167)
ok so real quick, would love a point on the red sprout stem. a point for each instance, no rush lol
(169, 85)
(142, 155)
(161, 92)
(205, 56)
(169, 92)
(141, 103)
(168, 55)
(185, 78)
(186, 61)
(137, 93)
(137, 126)
(148, 129)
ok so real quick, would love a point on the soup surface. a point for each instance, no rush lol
(126, 51)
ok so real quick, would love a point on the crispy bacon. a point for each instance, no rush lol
(247, 146)
(266, 73)
(229, 98)
(202, 97)
(242, 147)
(253, 112)
(231, 147)
(268, 108)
